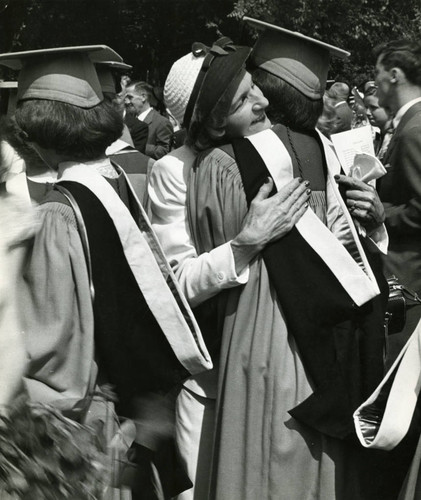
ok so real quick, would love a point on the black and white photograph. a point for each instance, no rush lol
(210, 250)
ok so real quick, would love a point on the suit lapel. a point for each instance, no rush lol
(149, 117)
(413, 110)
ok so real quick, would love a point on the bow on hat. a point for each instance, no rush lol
(220, 47)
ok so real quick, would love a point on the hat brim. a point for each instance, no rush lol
(115, 65)
(97, 53)
(8, 85)
(261, 25)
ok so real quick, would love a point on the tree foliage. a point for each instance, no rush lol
(151, 34)
(355, 25)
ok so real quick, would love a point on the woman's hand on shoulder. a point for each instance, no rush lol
(269, 218)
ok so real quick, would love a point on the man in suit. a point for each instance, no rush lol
(398, 77)
(138, 100)
(138, 132)
(125, 151)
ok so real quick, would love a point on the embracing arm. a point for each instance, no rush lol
(200, 276)
(219, 213)
(215, 256)
(269, 218)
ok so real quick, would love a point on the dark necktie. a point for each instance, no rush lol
(386, 141)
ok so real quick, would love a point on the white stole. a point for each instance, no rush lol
(401, 400)
(149, 266)
(361, 286)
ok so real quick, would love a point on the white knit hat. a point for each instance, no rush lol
(180, 82)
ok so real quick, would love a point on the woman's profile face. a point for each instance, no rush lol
(376, 114)
(247, 111)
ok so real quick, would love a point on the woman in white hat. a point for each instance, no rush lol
(210, 92)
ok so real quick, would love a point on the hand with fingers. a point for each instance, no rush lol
(363, 202)
(270, 218)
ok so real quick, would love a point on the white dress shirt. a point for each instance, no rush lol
(144, 114)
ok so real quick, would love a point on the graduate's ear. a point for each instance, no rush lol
(24, 136)
(397, 75)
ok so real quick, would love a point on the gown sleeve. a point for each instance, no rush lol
(57, 312)
(216, 200)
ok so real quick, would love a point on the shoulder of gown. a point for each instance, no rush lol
(215, 199)
(57, 310)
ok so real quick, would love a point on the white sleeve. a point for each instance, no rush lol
(202, 276)
(379, 240)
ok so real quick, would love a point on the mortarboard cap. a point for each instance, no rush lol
(105, 70)
(65, 74)
(301, 61)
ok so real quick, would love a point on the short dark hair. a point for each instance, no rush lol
(326, 121)
(287, 105)
(82, 134)
(143, 88)
(403, 54)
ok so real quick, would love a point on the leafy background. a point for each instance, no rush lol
(151, 34)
